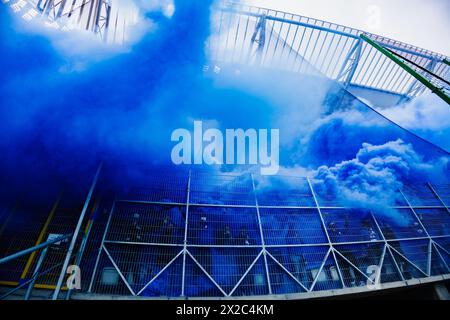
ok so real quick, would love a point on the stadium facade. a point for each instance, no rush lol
(200, 234)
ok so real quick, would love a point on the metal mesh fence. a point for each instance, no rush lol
(236, 235)
(239, 235)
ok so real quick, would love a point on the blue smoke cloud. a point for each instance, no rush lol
(377, 173)
(59, 122)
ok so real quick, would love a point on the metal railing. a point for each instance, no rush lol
(284, 41)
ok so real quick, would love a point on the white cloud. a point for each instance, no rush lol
(427, 112)
(428, 116)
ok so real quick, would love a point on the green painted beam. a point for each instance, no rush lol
(446, 62)
(404, 66)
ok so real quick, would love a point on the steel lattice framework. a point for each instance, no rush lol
(197, 234)
(98, 16)
(202, 235)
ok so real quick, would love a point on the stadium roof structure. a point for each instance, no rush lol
(284, 41)
(279, 40)
(103, 17)
(193, 234)
(274, 39)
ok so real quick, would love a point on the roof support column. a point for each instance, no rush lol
(350, 65)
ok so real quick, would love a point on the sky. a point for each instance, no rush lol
(417, 22)
(64, 111)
